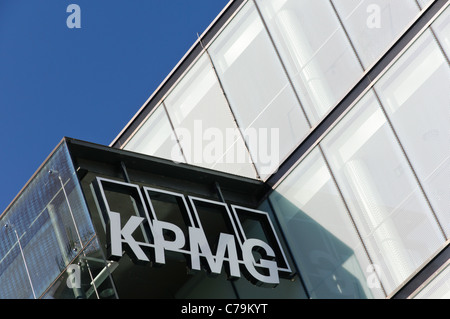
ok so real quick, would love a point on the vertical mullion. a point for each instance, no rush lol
(291, 83)
(402, 148)
(230, 109)
(174, 131)
(333, 177)
(347, 35)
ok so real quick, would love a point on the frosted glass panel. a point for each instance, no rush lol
(156, 138)
(415, 93)
(315, 50)
(438, 288)
(204, 124)
(441, 28)
(373, 25)
(258, 89)
(324, 241)
(382, 194)
(424, 3)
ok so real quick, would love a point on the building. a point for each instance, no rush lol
(315, 131)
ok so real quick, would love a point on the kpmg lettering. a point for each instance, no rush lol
(234, 251)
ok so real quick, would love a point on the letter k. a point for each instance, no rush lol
(127, 233)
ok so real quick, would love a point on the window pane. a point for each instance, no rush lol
(315, 50)
(438, 288)
(441, 28)
(390, 212)
(156, 138)
(415, 93)
(13, 274)
(48, 226)
(258, 90)
(373, 25)
(424, 3)
(325, 243)
(203, 122)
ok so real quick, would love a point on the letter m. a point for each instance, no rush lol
(200, 248)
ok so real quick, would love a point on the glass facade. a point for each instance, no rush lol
(258, 89)
(373, 26)
(200, 115)
(379, 158)
(324, 242)
(157, 138)
(369, 194)
(45, 231)
(362, 208)
(315, 50)
(415, 95)
(270, 75)
(438, 287)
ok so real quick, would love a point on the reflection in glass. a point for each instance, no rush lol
(415, 93)
(156, 138)
(374, 25)
(383, 196)
(324, 241)
(315, 50)
(258, 90)
(87, 277)
(202, 119)
(288, 288)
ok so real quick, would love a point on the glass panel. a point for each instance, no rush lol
(441, 28)
(374, 25)
(382, 194)
(323, 239)
(87, 277)
(424, 3)
(438, 287)
(203, 121)
(156, 138)
(263, 102)
(15, 283)
(49, 218)
(315, 50)
(415, 93)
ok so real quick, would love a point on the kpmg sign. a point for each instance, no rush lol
(195, 236)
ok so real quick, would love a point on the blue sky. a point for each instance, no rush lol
(84, 83)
